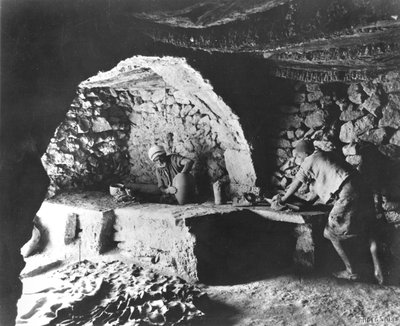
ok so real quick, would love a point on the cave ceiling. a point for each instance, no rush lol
(310, 40)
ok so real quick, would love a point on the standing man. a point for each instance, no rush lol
(335, 181)
(167, 167)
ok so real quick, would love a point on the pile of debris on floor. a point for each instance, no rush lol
(112, 293)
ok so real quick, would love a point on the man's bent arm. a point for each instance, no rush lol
(294, 186)
(188, 164)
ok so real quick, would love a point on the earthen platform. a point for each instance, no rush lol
(198, 241)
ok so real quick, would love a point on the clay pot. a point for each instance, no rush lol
(184, 184)
(115, 188)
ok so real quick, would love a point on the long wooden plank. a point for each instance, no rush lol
(290, 217)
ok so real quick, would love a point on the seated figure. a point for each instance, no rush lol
(167, 168)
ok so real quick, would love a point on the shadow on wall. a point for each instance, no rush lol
(376, 169)
(246, 86)
(203, 178)
(241, 247)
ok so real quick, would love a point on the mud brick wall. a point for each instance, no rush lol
(359, 120)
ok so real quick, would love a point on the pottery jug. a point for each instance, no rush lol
(184, 184)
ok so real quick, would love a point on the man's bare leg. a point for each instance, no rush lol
(349, 272)
(377, 266)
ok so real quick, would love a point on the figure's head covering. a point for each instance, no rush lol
(155, 151)
(305, 146)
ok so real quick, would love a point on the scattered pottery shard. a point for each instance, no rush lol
(184, 183)
(136, 303)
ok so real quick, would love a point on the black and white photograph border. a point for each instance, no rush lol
(200, 162)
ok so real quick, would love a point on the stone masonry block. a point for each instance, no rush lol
(314, 96)
(395, 139)
(305, 107)
(365, 123)
(391, 113)
(354, 92)
(350, 149)
(354, 159)
(369, 87)
(375, 136)
(350, 113)
(372, 104)
(316, 119)
(347, 132)
(391, 82)
(100, 125)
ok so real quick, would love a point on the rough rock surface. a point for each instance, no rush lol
(350, 149)
(118, 115)
(316, 119)
(347, 132)
(375, 136)
(363, 124)
(395, 138)
(354, 93)
(391, 113)
(391, 82)
(305, 107)
(351, 113)
(372, 104)
(354, 159)
(368, 118)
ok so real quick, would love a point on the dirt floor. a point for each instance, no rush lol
(279, 298)
(292, 300)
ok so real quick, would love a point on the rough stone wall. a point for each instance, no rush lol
(89, 148)
(105, 140)
(360, 120)
(118, 115)
(167, 117)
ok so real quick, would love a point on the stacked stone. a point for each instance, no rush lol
(306, 118)
(346, 118)
(168, 117)
(373, 118)
(89, 148)
(107, 133)
(376, 119)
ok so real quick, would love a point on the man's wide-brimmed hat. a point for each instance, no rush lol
(156, 151)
